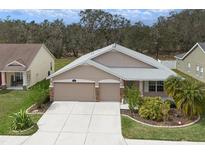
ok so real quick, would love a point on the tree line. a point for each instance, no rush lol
(98, 28)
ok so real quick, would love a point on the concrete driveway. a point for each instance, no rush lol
(79, 123)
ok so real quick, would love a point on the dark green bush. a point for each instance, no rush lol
(171, 102)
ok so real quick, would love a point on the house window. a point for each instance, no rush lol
(18, 76)
(152, 86)
(160, 86)
(28, 78)
(197, 70)
(201, 72)
(51, 66)
(188, 67)
(156, 86)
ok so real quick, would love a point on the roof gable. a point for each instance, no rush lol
(201, 45)
(90, 56)
(114, 58)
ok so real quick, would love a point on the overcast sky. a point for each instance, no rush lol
(148, 17)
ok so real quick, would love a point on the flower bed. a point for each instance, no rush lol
(34, 109)
(175, 119)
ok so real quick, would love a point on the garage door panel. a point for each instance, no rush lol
(109, 92)
(74, 92)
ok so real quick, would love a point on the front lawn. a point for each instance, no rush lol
(134, 130)
(12, 101)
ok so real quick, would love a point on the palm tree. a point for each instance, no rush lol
(173, 85)
(190, 98)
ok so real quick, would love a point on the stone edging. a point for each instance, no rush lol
(181, 126)
(21, 131)
(27, 110)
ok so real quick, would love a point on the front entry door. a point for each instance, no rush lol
(17, 79)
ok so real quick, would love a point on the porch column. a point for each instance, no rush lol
(121, 91)
(25, 80)
(97, 92)
(3, 80)
(141, 87)
(51, 91)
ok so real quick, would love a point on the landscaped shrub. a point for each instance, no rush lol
(189, 95)
(150, 109)
(171, 102)
(21, 121)
(173, 85)
(164, 109)
(191, 98)
(134, 99)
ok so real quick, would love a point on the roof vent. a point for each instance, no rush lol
(114, 45)
(74, 80)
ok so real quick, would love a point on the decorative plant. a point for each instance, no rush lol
(173, 85)
(191, 98)
(21, 121)
(164, 109)
(150, 109)
(134, 99)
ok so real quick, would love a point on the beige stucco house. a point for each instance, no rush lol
(102, 75)
(193, 62)
(23, 65)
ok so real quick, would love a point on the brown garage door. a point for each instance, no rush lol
(109, 92)
(74, 92)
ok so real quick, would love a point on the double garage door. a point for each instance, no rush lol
(86, 92)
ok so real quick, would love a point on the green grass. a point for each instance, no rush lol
(134, 130)
(12, 101)
(59, 63)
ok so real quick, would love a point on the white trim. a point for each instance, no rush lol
(109, 81)
(71, 81)
(197, 44)
(15, 61)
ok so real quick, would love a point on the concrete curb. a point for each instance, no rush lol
(28, 109)
(181, 126)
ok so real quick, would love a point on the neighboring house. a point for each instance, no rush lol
(23, 65)
(193, 62)
(102, 75)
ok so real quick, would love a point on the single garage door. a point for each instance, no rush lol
(74, 92)
(109, 92)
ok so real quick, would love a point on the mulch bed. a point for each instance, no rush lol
(35, 109)
(173, 120)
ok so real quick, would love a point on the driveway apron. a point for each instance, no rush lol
(79, 123)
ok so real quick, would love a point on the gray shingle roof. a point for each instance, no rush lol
(180, 55)
(202, 44)
(119, 73)
(22, 53)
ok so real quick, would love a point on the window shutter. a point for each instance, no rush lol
(146, 86)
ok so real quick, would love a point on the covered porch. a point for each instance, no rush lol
(14, 80)
(148, 88)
